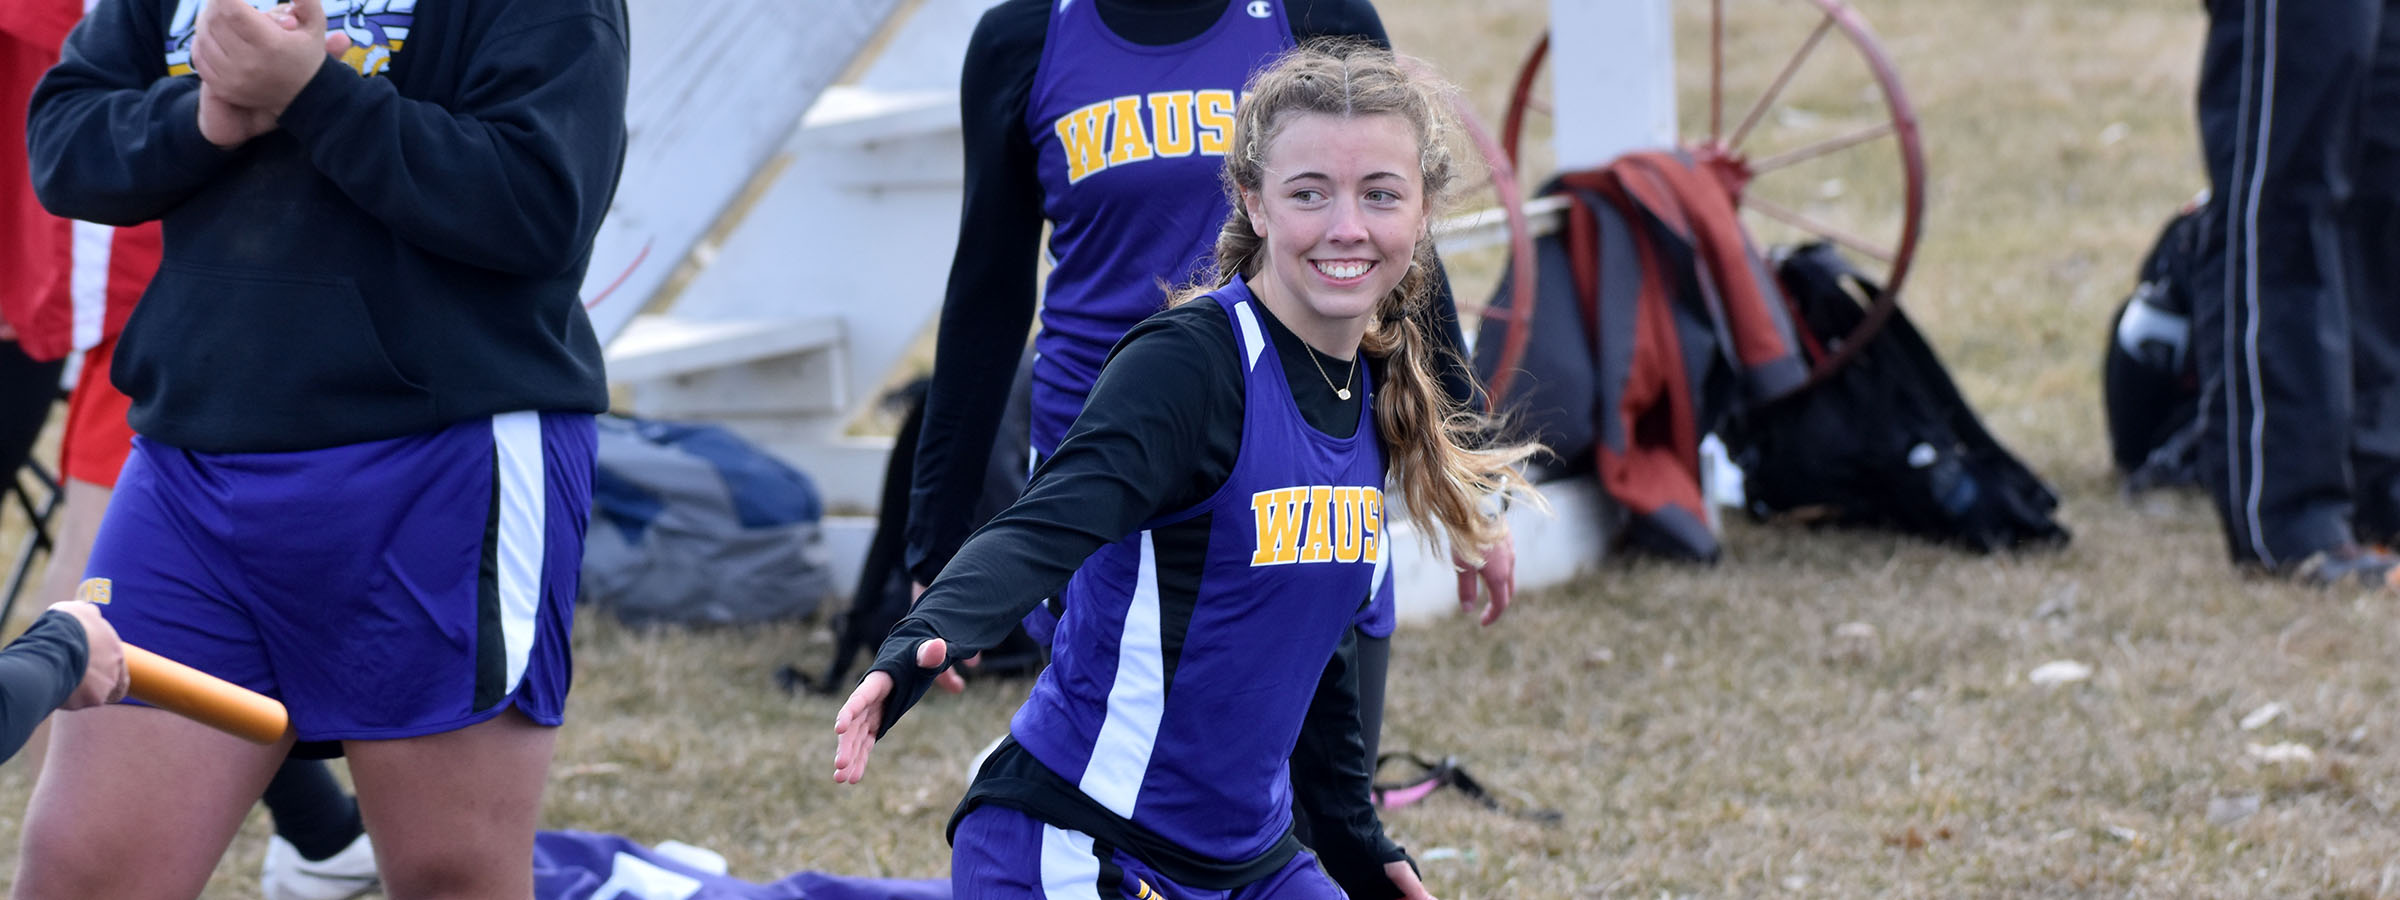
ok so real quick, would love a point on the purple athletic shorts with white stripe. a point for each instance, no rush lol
(999, 853)
(381, 590)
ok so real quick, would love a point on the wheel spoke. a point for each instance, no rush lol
(1820, 148)
(1716, 69)
(1805, 222)
(1782, 78)
(1539, 104)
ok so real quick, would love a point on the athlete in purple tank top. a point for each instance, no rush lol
(1108, 119)
(1215, 518)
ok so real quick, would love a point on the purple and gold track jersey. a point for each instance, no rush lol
(1130, 139)
(1190, 650)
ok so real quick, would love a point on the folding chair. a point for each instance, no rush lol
(37, 529)
(29, 391)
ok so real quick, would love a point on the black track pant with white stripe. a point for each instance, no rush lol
(2297, 318)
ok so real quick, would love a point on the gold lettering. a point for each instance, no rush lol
(1320, 543)
(1080, 134)
(1171, 123)
(1216, 120)
(1373, 524)
(1128, 144)
(1279, 525)
(1348, 504)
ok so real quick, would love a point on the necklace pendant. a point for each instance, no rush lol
(1343, 393)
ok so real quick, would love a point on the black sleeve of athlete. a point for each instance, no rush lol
(1159, 433)
(37, 672)
(1332, 775)
(988, 306)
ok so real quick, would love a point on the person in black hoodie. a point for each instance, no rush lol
(363, 383)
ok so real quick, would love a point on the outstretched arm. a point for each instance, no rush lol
(1149, 441)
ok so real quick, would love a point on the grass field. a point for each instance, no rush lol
(1822, 715)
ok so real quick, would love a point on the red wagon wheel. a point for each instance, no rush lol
(1509, 208)
(1782, 161)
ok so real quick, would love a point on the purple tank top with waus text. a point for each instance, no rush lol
(1190, 650)
(1130, 139)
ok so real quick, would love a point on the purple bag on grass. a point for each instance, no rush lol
(583, 865)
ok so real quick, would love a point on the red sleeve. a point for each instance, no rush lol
(33, 292)
(41, 23)
(37, 292)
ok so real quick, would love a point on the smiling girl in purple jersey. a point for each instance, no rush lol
(1226, 482)
(1108, 120)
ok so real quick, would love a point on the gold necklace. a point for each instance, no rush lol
(1342, 392)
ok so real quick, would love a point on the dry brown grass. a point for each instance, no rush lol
(1705, 731)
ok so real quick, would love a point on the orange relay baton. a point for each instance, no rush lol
(203, 698)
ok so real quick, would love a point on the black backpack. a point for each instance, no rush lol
(1886, 441)
(2149, 379)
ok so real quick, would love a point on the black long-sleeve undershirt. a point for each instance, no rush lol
(1160, 434)
(38, 671)
(991, 292)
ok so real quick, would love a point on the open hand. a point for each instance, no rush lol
(1498, 575)
(855, 727)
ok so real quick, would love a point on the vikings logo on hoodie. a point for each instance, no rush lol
(377, 30)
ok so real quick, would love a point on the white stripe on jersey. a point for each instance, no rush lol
(87, 280)
(1252, 342)
(1137, 700)
(1069, 870)
(517, 441)
(1375, 583)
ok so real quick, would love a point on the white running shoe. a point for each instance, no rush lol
(289, 876)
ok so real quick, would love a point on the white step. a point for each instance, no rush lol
(654, 347)
(855, 116)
